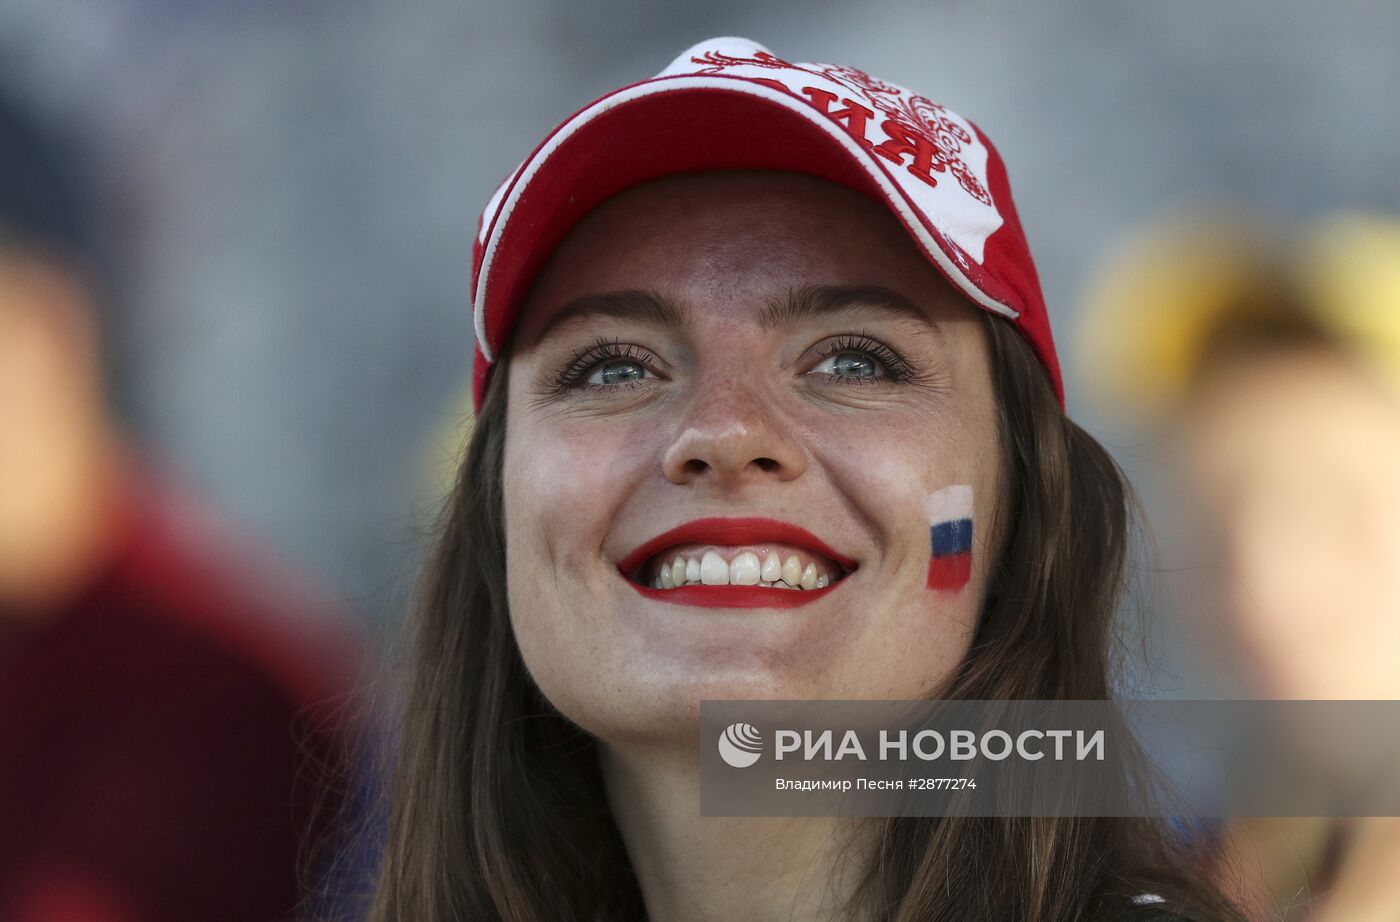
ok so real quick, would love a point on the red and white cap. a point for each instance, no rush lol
(729, 103)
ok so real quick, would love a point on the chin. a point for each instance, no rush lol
(663, 703)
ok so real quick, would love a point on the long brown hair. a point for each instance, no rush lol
(497, 808)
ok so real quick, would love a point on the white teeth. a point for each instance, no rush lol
(772, 568)
(744, 569)
(713, 570)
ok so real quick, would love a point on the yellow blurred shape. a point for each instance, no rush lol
(1350, 269)
(1150, 313)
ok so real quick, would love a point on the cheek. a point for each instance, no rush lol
(556, 503)
(928, 490)
(564, 483)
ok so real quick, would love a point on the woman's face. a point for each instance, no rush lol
(743, 346)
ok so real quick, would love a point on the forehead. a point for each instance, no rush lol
(733, 237)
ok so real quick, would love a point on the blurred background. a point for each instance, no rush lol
(286, 194)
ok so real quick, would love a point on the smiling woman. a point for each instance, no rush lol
(753, 426)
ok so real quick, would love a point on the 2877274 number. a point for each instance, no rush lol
(942, 784)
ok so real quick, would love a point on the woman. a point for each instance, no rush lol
(738, 326)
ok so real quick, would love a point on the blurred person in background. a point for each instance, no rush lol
(1270, 364)
(175, 721)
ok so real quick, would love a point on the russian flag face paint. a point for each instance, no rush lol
(949, 513)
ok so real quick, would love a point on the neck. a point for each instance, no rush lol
(694, 868)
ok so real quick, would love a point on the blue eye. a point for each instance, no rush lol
(861, 359)
(849, 365)
(607, 365)
(617, 372)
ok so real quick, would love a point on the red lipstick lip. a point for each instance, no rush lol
(734, 596)
(733, 532)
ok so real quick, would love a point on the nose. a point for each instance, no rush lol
(731, 435)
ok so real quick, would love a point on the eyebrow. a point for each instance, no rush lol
(804, 303)
(634, 304)
(813, 301)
